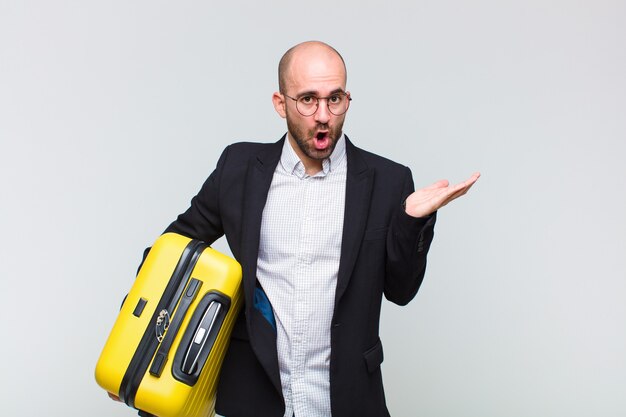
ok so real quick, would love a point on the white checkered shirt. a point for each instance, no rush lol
(297, 267)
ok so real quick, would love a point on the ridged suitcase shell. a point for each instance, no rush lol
(128, 357)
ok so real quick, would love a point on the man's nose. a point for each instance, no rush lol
(322, 114)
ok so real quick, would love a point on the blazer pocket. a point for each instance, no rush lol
(378, 233)
(374, 356)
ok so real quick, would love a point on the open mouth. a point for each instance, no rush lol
(321, 140)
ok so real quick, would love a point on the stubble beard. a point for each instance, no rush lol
(302, 135)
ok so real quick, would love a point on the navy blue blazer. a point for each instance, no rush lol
(383, 251)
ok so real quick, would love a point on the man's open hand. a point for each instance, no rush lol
(430, 199)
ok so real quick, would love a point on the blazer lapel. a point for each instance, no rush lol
(257, 183)
(359, 184)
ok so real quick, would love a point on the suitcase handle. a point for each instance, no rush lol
(200, 336)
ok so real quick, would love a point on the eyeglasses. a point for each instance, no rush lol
(337, 103)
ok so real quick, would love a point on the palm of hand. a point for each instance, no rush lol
(426, 201)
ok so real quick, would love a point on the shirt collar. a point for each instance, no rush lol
(292, 164)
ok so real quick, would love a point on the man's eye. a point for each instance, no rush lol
(306, 99)
(335, 99)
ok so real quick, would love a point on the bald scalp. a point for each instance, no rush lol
(285, 61)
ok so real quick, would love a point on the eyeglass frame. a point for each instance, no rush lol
(317, 105)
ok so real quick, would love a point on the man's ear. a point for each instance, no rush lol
(279, 104)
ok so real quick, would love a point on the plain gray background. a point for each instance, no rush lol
(113, 113)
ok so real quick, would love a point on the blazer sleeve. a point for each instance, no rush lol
(408, 242)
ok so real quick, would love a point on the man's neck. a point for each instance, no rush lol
(311, 166)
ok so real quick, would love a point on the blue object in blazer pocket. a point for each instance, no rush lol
(262, 303)
(374, 356)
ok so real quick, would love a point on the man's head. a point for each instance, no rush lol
(308, 71)
(284, 66)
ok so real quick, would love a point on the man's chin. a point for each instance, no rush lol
(323, 153)
(320, 154)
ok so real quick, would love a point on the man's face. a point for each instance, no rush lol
(314, 73)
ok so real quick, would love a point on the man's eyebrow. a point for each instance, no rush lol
(307, 93)
(315, 93)
(338, 90)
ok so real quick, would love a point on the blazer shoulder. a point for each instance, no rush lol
(242, 152)
(380, 163)
(248, 148)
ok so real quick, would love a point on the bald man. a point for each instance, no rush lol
(322, 230)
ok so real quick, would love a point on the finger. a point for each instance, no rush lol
(474, 178)
(114, 397)
(465, 184)
(445, 183)
(458, 187)
(471, 180)
(457, 193)
(458, 190)
(438, 184)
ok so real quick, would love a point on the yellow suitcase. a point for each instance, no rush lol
(166, 348)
